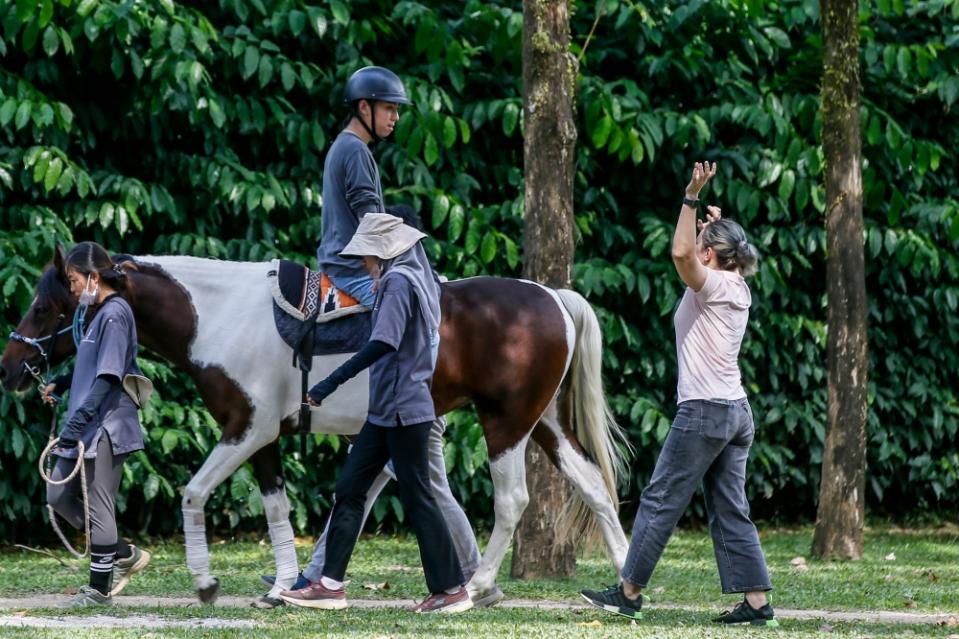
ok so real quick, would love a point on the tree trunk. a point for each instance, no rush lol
(840, 519)
(549, 77)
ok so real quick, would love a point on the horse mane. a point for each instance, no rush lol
(52, 287)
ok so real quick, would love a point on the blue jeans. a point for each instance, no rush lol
(360, 287)
(708, 443)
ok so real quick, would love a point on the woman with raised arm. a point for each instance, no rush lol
(710, 437)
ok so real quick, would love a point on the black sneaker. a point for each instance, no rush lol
(614, 600)
(744, 613)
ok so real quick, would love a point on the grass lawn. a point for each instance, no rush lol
(923, 576)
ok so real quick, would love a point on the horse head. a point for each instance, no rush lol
(41, 339)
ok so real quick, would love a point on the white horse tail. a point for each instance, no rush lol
(594, 425)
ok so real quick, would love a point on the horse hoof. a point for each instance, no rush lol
(489, 598)
(267, 602)
(209, 594)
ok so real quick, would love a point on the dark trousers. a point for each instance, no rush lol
(708, 444)
(407, 447)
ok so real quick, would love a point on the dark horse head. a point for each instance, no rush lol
(42, 338)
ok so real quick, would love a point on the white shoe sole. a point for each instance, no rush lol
(137, 567)
(319, 604)
(461, 606)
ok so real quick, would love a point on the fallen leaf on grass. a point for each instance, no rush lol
(594, 623)
(825, 628)
(888, 578)
(931, 576)
(659, 590)
(21, 613)
(383, 586)
(69, 590)
(909, 603)
(402, 569)
(949, 622)
(799, 563)
(891, 557)
(953, 637)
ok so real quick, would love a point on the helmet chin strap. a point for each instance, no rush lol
(371, 131)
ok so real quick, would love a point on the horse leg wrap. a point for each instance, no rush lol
(281, 535)
(197, 551)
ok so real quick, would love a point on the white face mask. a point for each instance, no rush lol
(88, 297)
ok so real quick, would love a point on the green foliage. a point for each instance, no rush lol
(162, 127)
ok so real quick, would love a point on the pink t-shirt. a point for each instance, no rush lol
(709, 331)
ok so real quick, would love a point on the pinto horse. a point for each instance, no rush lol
(528, 358)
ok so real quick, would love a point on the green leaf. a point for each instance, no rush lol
(266, 71)
(904, 62)
(457, 222)
(86, 6)
(53, 174)
(169, 441)
(488, 247)
(510, 118)
(216, 114)
(473, 237)
(17, 441)
(317, 21)
(177, 38)
(151, 486)
(251, 61)
(25, 10)
(297, 20)
(7, 110)
(40, 166)
(449, 132)
(441, 207)
(340, 11)
(287, 75)
(431, 152)
(600, 134)
(107, 211)
(168, 6)
(787, 184)
(122, 219)
(51, 42)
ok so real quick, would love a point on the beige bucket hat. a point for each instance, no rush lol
(382, 235)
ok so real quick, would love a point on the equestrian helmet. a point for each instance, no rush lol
(375, 83)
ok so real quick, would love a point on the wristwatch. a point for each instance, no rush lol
(690, 202)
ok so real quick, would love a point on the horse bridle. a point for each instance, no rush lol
(37, 343)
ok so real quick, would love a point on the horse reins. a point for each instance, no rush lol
(46, 471)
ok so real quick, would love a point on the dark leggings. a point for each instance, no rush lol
(407, 447)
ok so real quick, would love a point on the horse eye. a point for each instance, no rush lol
(41, 310)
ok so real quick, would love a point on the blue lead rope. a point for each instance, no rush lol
(79, 318)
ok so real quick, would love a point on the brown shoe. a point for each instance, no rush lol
(458, 601)
(316, 595)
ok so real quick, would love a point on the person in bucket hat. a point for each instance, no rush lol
(406, 315)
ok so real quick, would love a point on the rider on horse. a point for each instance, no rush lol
(351, 189)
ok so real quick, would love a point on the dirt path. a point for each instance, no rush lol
(14, 612)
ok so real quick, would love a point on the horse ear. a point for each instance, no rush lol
(59, 257)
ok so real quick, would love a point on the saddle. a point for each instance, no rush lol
(305, 305)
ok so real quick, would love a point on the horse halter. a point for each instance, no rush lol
(37, 343)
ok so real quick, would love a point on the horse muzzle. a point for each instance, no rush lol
(14, 375)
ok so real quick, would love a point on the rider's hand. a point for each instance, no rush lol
(702, 172)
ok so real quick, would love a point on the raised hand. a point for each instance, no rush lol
(702, 172)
